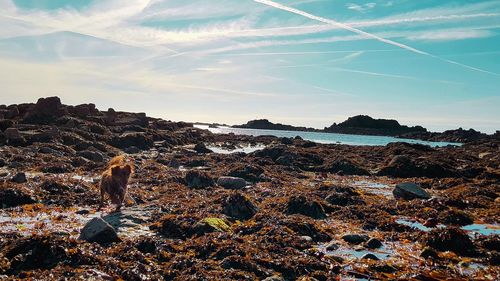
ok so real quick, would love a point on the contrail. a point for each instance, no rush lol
(364, 33)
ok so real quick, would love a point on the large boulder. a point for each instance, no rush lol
(307, 207)
(239, 206)
(201, 148)
(98, 230)
(45, 111)
(409, 191)
(91, 155)
(231, 182)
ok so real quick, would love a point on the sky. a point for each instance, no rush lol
(300, 62)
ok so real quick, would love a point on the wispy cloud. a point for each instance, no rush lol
(446, 35)
(361, 7)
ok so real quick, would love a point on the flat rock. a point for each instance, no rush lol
(355, 238)
(98, 230)
(409, 191)
(231, 182)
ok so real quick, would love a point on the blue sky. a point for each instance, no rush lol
(301, 62)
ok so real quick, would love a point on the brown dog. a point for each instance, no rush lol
(114, 181)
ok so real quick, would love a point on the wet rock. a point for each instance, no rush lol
(286, 141)
(45, 111)
(307, 207)
(209, 225)
(13, 197)
(370, 256)
(231, 182)
(12, 134)
(332, 246)
(355, 238)
(98, 230)
(373, 243)
(198, 179)
(239, 206)
(91, 155)
(409, 191)
(201, 148)
(19, 178)
(450, 239)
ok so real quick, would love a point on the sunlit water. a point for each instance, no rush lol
(322, 137)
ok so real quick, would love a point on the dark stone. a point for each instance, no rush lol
(231, 182)
(332, 246)
(139, 140)
(409, 191)
(91, 155)
(355, 238)
(198, 179)
(98, 230)
(248, 172)
(302, 205)
(201, 148)
(239, 206)
(343, 199)
(19, 178)
(373, 243)
(13, 197)
(370, 256)
(5, 124)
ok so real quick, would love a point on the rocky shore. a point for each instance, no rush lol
(289, 210)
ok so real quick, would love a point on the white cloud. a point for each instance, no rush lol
(361, 8)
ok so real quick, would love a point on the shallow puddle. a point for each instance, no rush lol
(472, 229)
(244, 149)
(347, 252)
(374, 188)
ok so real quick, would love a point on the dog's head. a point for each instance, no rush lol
(122, 171)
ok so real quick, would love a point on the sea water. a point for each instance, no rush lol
(327, 138)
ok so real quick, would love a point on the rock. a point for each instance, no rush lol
(240, 207)
(19, 178)
(13, 112)
(139, 140)
(13, 197)
(201, 148)
(12, 133)
(209, 225)
(198, 179)
(332, 246)
(431, 222)
(286, 141)
(91, 155)
(175, 227)
(231, 182)
(302, 205)
(45, 111)
(132, 150)
(355, 238)
(455, 217)
(370, 256)
(5, 124)
(248, 172)
(450, 239)
(409, 191)
(285, 160)
(306, 238)
(373, 243)
(345, 167)
(98, 230)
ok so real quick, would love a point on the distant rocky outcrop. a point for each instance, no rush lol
(366, 125)
(264, 124)
(458, 135)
